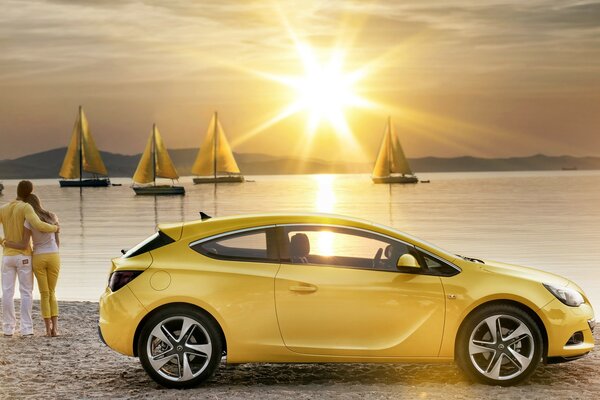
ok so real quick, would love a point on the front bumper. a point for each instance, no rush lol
(562, 322)
(100, 335)
(560, 360)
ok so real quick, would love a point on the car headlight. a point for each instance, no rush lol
(567, 296)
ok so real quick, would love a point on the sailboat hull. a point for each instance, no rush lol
(94, 182)
(220, 179)
(161, 190)
(396, 179)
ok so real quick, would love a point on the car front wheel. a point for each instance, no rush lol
(499, 345)
(179, 347)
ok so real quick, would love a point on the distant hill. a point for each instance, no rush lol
(46, 164)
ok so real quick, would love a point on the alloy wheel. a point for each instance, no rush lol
(179, 348)
(501, 347)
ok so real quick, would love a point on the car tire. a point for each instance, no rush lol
(180, 347)
(499, 344)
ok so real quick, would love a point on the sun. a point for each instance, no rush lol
(324, 93)
(325, 90)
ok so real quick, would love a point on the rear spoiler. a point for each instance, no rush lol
(174, 231)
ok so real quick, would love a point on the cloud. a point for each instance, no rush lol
(138, 52)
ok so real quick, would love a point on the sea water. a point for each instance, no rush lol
(549, 220)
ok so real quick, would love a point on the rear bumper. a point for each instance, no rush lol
(120, 314)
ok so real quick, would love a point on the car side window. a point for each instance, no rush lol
(344, 247)
(256, 245)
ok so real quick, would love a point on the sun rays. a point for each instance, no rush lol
(325, 92)
(329, 86)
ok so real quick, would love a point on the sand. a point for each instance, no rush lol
(78, 365)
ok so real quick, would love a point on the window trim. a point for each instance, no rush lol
(439, 259)
(280, 261)
(451, 264)
(232, 233)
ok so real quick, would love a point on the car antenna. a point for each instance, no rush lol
(204, 216)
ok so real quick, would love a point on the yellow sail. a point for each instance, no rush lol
(391, 158)
(215, 155)
(144, 172)
(92, 161)
(70, 165)
(82, 150)
(155, 161)
(399, 163)
(164, 165)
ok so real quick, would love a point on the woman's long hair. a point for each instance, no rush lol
(44, 215)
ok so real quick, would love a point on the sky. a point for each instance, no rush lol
(486, 79)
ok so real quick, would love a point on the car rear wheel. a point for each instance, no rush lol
(180, 347)
(499, 345)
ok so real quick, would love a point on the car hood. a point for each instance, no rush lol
(518, 271)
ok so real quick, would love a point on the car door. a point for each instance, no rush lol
(237, 281)
(334, 296)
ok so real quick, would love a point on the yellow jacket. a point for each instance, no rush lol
(12, 219)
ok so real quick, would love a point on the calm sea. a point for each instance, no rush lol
(549, 220)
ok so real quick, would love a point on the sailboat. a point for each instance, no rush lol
(215, 162)
(391, 165)
(155, 163)
(1, 188)
(82, 156)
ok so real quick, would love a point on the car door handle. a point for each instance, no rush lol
(303, 288)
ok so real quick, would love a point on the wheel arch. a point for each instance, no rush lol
(534, 315)
(195, 307)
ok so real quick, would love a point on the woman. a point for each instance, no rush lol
(46, 262)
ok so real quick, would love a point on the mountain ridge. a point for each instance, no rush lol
(46, 164)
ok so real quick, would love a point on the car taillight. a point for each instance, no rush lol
(118, 279)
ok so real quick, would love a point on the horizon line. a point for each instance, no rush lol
(317, 158)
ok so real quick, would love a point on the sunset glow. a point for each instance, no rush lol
(325, 91)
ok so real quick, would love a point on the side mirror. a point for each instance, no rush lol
(407, 261)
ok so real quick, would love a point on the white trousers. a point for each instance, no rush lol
(14, 267)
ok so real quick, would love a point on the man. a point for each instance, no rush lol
(17, 263)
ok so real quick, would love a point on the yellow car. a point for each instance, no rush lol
(308, 288)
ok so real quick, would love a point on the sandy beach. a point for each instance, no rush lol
(78, 365)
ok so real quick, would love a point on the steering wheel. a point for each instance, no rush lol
(377, 258)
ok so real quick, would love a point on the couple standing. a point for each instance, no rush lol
(24, 220)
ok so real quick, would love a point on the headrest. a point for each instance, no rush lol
(299, 245)
(389, 251)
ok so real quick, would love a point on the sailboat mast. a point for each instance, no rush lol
(154, 154)
(80, 132)
(215, 138)
(389, 142)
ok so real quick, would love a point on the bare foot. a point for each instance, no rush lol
(55, 334)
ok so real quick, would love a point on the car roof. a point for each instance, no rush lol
(217, 225)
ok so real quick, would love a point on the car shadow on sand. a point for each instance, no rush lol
(364, 374)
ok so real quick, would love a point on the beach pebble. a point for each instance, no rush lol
(77, 365)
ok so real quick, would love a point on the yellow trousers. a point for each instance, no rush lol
(46, 268)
